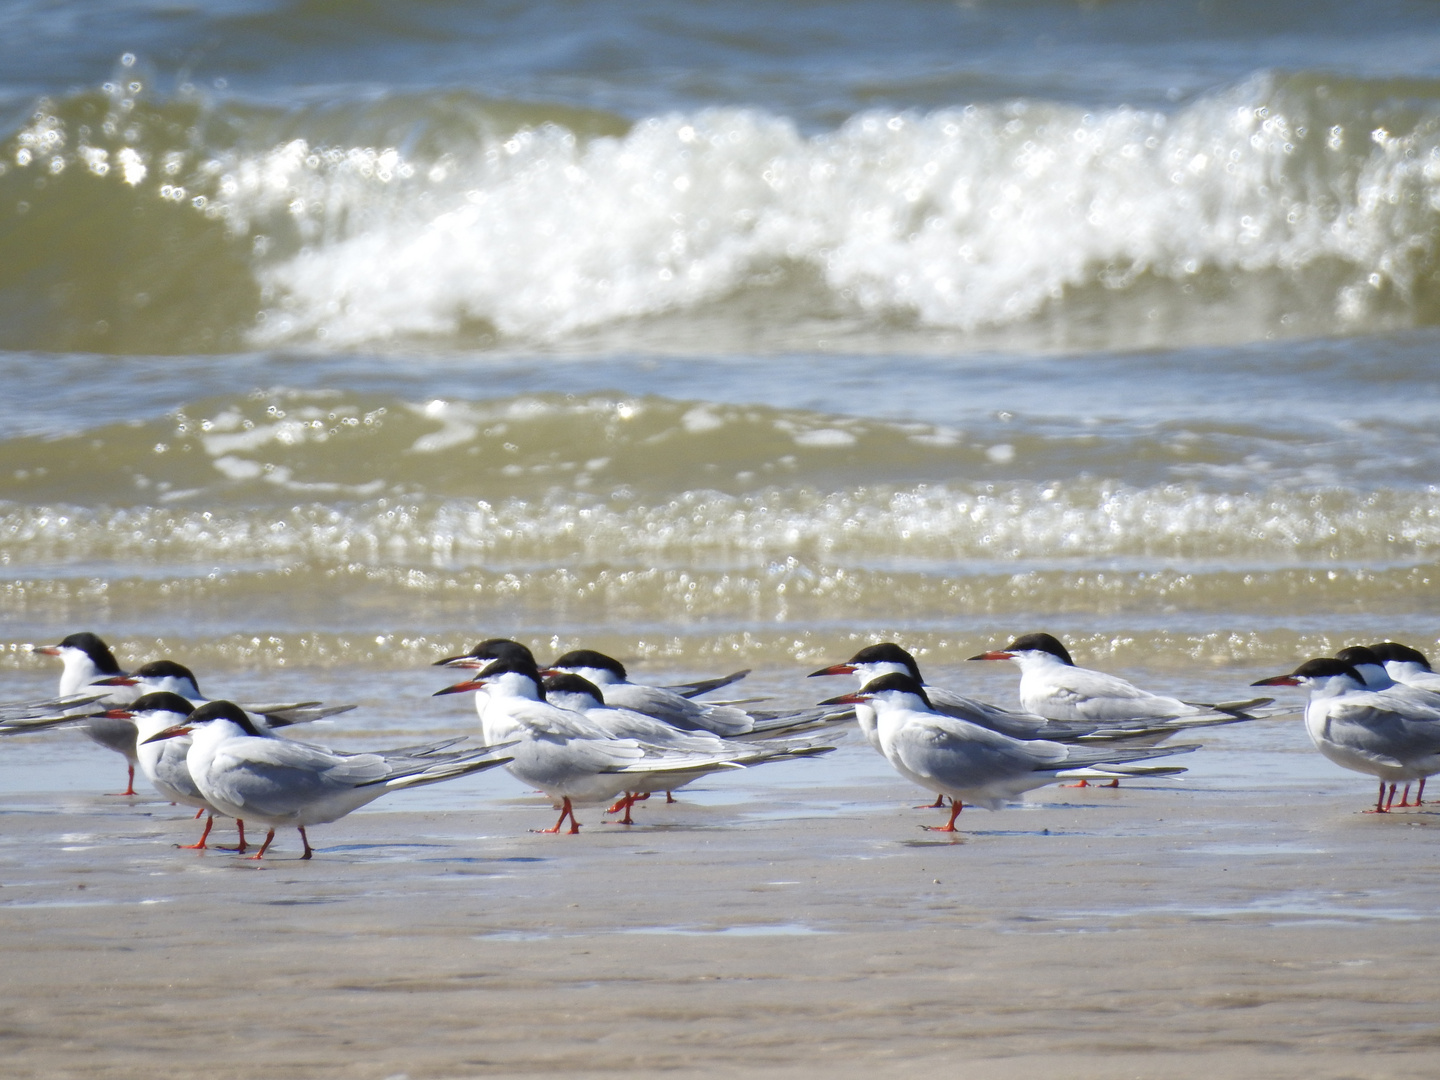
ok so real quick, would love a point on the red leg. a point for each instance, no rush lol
(566, 810)
(306, 841)
(1420, 795)
(1391, 800)
(199, 845)
(669, 798)
(629, 801)
(1112, 783)
(955, 807)
(1379, 801)
(1405, 796)
(197, 813)
(269, 838)
(129, 783)
(1082, 783)
(239, 848)
(938, 804)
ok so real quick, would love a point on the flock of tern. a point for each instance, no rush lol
(581, 732)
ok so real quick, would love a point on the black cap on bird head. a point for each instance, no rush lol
(1387, 651)
(224, 710)
(569, 683)
(1324, 667)
(91, 645)
(489, 649)
(1355, 655)
(1046, 643)
(589, 658)
(162, 702)
(890, 682)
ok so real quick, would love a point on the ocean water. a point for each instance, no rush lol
(338, 335)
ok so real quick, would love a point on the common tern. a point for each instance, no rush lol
(167, 676)
(506, 649)
(164, 761)
(887, 657)
(1365, 730)
(242, 773)
(87, 660)
(972, 764)
(581, 696)
(1407, 665)
(1053, 687)
(1376, 673)
(564, 754)
(728, 721)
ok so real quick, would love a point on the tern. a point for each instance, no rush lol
(505, 649)
(1376, 673)
(887, 657)
(1365, 730)
(582, 696)
(166, 676)
(243, 773)
(1053, 687)
(567, 756)
(87, 660)
(164, 761)
(1406, 665)
(728, 721)
(972, 764)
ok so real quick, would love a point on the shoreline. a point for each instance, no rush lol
(791, 923)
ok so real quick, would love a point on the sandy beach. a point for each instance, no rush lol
(1249, 921)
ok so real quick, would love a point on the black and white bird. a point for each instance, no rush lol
(888, 658)
(1366, 730)
(582, 696)
(505, 649)
(728, 721)
(1053, 687)
(167, 676)
(972, 764)
(1407, 665)
(87, 660)
(164, 762)
(243, 772)
(573, 760)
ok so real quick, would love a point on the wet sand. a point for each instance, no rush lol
(1251, 922)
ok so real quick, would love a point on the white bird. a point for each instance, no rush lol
(166, 676)
(1377, 677)
(164, 761)
(87, 660)
(243, 773)
(565, 755)
(888, 658)
(506, 649)
(728, 721)
(973, 764)
(1407, 665)
(581, 696)
(1053, 687)
(1365, 730)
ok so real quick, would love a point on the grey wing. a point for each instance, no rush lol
(965, 755)
(704, 686)
(275, 777)
(1015, 724)
(1381, 735)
